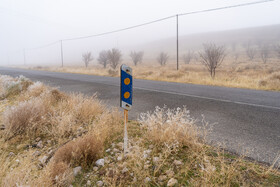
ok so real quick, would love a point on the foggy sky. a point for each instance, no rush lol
(31, 23)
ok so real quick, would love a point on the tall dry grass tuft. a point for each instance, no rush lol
(28, 117)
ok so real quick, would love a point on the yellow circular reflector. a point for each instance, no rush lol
(126, 81)
(126, 95)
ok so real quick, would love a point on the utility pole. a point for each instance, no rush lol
(61, 50)
(177, 43)
(24, 57)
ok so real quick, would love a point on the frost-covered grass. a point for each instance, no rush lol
(54, 139)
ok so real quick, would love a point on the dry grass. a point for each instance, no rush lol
(76, 130)
(241, 74)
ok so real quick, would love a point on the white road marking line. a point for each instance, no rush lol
(209, 98)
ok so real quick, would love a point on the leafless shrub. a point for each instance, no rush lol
(103, 58)
(236, 56)
(277, 50)
(264, 53)
(136, 57)
(87, 58)
(114, 56)
(188, 57)
(212, 57)
(251, 52)
(162, 58)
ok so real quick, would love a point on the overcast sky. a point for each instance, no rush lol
(31, 23)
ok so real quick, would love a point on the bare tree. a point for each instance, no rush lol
(212, 57)
(251, 52)
(136, 57)
(188, 57)
(162, 58)
(236, 56)
(277, 49)
(114, 56)
(264, 52)
(87, 58)
(103, 58)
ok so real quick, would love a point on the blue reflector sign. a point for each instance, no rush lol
(126, 87)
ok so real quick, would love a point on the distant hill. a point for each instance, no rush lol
(233, 39)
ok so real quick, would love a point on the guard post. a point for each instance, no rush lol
(125, 98)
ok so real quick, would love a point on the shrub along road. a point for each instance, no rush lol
(244, 121)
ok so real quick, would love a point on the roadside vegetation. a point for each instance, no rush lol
(50, 138)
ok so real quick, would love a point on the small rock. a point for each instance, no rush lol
(77, 170)
(38, 139)
(115, 150)
(36, 153)
(177, 163)
(99, 183)
(147, 179)
(134, 180)
(162, 178)
(120, 158)
(172, 182)
(88, 183)
(156, 159)
(43, 160)
(145, 156)
(108, 150)
(11, 154)
(170, 173)
(124, 170)
(17, 160)
(40, 144)
(95, 168)
(100, 162)
(146, 166)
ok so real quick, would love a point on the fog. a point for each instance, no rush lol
(28, 24)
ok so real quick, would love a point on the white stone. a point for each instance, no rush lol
(156, 159)
(11, 154)
(43, 160)
(77, 170)
(108, 150)
(177, 163)
(147, 179)
(100, 162)
(170, 173)
(88, 183)
(124, 170)
(40, 144)
(95, 168)
(172, 182)
(115, 150)
(162, 178)
(99, 183)
(120, 158)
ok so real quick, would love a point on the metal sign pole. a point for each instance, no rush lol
(125, 98)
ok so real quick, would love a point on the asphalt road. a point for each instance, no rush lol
(244, 121)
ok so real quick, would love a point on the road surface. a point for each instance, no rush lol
(244, 121)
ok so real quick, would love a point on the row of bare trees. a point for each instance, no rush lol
(112, 57)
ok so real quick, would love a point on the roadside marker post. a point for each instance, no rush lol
(125, 98)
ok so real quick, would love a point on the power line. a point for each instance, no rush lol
(119, 30)
(169, 17)
(42, 46)
(225, 7)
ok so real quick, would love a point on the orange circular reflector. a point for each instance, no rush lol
(126, 81)
(126, 95)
